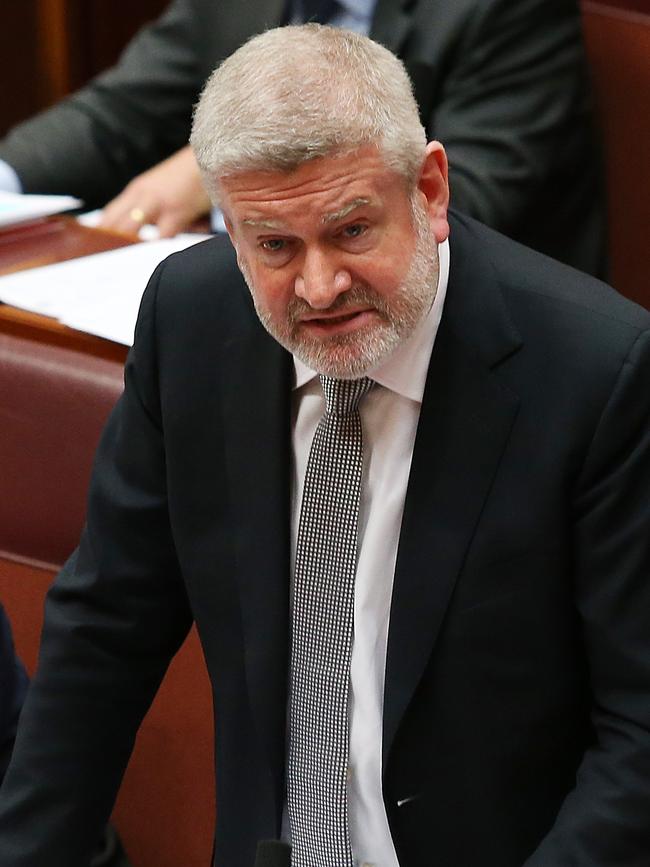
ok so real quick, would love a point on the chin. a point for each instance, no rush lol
(350, 356)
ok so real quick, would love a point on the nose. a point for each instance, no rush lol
(321, 280)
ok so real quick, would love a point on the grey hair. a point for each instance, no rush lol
(292, 94)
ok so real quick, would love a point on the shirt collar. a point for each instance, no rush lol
(405, 370)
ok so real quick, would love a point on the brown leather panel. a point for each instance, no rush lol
(618, 46)
(642, 6)
(53, 404)
(30, 562)
(165, 809)
(22, 592)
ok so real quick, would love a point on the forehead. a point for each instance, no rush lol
(327, 187)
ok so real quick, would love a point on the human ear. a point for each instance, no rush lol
(433, 183)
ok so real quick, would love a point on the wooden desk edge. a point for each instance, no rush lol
(43, 329)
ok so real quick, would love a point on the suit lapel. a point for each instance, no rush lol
(465, 422)
(256, 394)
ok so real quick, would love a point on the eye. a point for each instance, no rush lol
(273, 245)
(354, 230)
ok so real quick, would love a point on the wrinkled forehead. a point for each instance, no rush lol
(365, 164)
(333, 186)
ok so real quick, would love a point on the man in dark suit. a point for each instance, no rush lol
(501, 82)
(499, 701)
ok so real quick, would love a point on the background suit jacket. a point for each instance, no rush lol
(500, 82)
(13, 686)
(517, 707)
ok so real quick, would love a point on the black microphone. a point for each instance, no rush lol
(273, 853)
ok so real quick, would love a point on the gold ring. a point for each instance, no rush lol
(137, 215)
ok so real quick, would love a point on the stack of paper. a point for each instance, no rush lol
(16, 208)
(99, 294)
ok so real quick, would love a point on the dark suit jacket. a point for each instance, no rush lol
(517, 701)
(500, 82)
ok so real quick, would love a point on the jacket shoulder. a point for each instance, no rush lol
(532, 281)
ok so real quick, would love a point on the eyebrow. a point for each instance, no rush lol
(345, 210)
(262, 224)
(332, 217)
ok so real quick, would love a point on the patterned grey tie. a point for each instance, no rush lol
(323, 611)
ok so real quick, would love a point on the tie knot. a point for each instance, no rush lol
(342, 396)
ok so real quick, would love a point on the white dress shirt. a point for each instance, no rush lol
(351, 15)
(389, 416)
(354, 15)
(9, 180)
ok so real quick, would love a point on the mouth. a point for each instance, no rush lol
(331, 324)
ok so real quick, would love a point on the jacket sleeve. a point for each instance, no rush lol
(114, 617)
(605, 818)
(13, 686)
(514, 113)
(125, 120)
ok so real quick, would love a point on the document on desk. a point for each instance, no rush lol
(99, 294)
(19, 208)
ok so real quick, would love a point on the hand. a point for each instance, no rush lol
(170, 195)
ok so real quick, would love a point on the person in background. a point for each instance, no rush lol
(13, 689)
(501, 82)
(13, 686)
(395, 466)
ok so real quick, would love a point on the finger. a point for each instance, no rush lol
(127, 214)
(170, 223)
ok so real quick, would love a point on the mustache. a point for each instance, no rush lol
(354, 297)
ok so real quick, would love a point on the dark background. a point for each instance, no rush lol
(49, 48)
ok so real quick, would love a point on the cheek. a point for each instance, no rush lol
(384, 278)
(271, 291)
(386, 270)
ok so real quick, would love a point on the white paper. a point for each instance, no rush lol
(148, 232)
(18, 208)
(99, 294)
